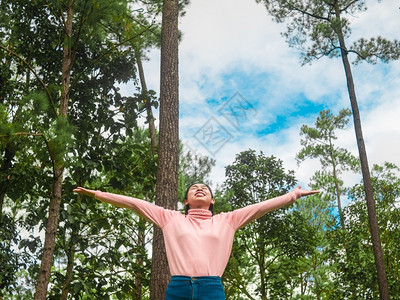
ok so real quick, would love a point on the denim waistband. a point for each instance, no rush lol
(196, 278)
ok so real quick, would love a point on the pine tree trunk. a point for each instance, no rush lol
(167, 171)
(373, 222)
(150, 118)
(58, 169)
(50, 236)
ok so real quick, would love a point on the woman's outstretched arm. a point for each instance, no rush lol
(114, 199)
(249, 213)
(154, 213)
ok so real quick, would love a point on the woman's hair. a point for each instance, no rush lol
(187, 207)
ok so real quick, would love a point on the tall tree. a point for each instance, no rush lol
(57, 160)
(319, 142)
(324, 24)
(168, 150)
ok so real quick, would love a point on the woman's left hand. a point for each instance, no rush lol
(301, 193)
(85, 192)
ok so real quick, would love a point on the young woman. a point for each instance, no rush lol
(198, 244)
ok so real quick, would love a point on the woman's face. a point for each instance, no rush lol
(199, 196)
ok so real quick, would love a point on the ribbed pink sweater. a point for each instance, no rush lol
(197, 244)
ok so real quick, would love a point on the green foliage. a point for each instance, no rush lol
(272, 241)
(318, 141)
(359, 271)
(253, 178)
(376, 49)
(108, 245)
(316, 28)
(316, 269)
(98, 137)
(8, 258)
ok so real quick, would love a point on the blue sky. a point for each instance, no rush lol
(232, 56)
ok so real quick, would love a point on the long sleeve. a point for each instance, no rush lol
(245, 215)
(156, 214)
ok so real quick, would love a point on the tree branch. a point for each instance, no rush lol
(24, 133)
(304, 12)
(34, 73)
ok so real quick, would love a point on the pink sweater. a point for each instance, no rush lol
(197, 244)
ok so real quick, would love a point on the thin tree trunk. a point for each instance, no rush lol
(50, 236)
(9, 154)
(150, 117)
(167, 170)
(70, 267)
(373, 222)
(141, 243)
(5, 167)
(263, 287)
(337, 188)
(318, 292)
(58, 169)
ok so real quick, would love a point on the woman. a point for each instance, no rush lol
(198, 244)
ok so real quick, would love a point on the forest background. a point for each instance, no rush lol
(239, 62)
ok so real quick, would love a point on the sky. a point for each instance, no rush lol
(242, 87)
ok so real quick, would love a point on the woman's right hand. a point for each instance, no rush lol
(85, 192)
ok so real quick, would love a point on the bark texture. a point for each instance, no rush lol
(167, 172)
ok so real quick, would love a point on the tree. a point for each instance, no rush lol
(168, 151)
(358, 279)
(109, 244)
(84, 58)
(318, 268)
(318, 143)
(57, 160)
(147, 41)
(324, 24)
(275, 242)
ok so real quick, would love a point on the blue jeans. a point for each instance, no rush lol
(195, 288)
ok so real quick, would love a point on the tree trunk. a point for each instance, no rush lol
(70, 267)
(9, 154)
(50, 236)
(141, 244)
(58, 168)
(337, 188)
(150, 118)
(4, 168)
(263, 287)
(167, 170)
(373, 222)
